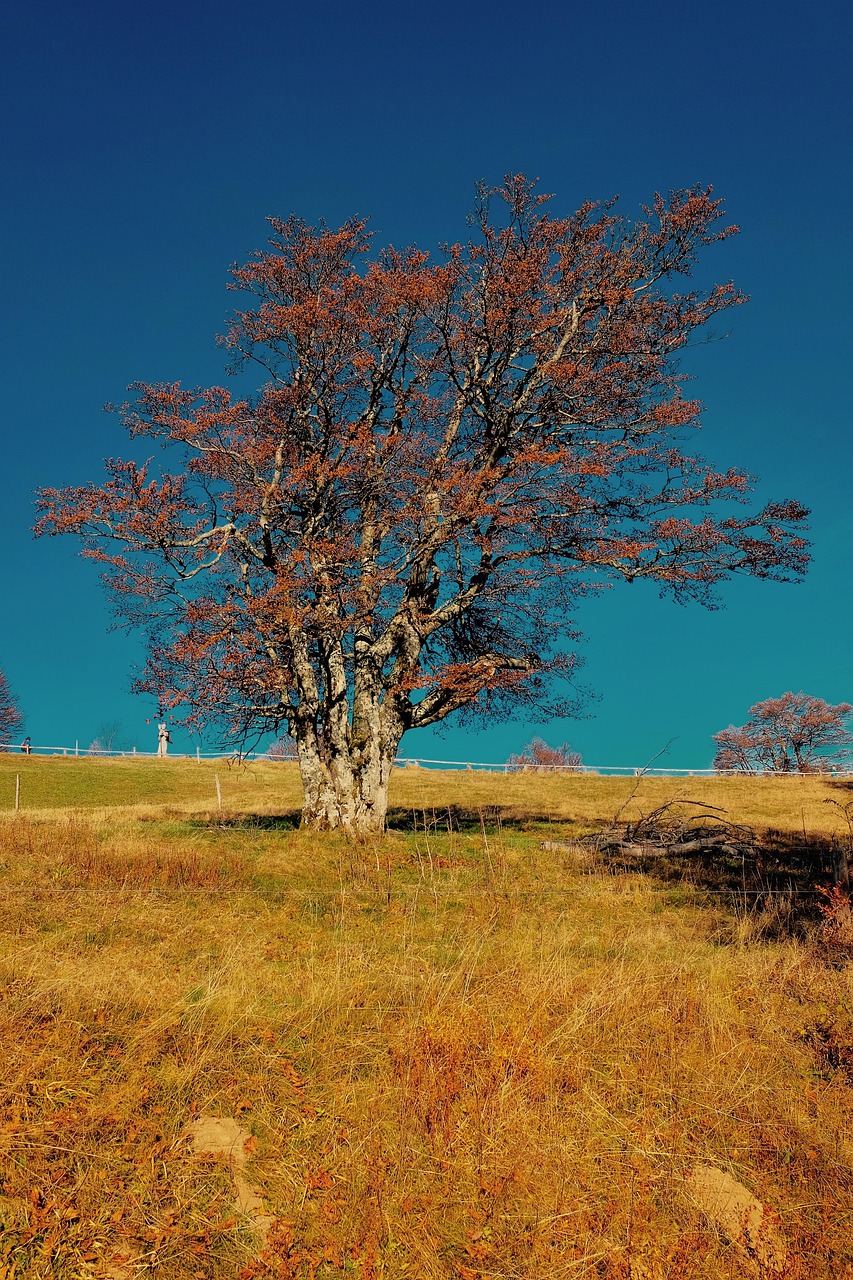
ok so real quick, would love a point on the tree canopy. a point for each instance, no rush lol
(795, 733)
(441, 456)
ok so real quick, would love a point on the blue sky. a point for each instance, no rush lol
(145, 145)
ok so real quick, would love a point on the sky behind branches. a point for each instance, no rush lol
(145, 146)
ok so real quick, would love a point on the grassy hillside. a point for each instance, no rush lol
(453, 1054)
(786, 804)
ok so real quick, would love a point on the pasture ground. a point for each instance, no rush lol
(455, 1054)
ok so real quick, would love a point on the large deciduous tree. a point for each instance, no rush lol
(792, 734)
(441, 455)
(11, 719)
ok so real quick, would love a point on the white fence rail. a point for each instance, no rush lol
(414, 762)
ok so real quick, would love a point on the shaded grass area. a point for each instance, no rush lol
(785, 872)
(461, 1056)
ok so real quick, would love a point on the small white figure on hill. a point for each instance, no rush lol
(163, 739)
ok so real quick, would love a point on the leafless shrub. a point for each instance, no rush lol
(538, 757)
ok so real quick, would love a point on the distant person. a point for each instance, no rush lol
(25, 746)
(163, 739)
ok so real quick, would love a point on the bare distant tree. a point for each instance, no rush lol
(109, 739)
(113, 737)
(796, 733)
(11, 719)
(538, 757)
(283, 749)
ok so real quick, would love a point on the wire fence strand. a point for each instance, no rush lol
(423, 762)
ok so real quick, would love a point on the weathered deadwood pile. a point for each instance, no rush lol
(724, 853)
(674, 828)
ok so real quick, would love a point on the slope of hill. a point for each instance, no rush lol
(478, 1048)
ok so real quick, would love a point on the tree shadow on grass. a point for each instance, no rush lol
(777, 867)
(761, 868)
(287, 821)
(444, 821)
(457, 818)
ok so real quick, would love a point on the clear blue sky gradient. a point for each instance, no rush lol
(145, 145)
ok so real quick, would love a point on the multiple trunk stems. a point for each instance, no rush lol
(340, 795)
(345, 774)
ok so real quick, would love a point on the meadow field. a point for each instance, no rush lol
(481, 1047)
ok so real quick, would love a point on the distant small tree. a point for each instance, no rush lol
(108, 740)
(113, 736)
(11, 719)
(792, 734)
(538, 757)
(283, 749)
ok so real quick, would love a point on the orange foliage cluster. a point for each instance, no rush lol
(539, 757)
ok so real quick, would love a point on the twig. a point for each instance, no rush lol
(640, 775)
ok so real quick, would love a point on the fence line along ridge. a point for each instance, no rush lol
(415, 762)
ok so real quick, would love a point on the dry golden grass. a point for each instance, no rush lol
(460, 1056)
(143, 787)
(586, 801)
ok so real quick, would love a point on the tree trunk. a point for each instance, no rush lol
(345, 789)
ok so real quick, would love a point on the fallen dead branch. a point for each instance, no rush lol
(677, 826)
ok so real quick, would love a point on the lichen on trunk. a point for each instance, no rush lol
(345, 786)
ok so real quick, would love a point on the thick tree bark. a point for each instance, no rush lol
(342, 795)
(345, 774)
